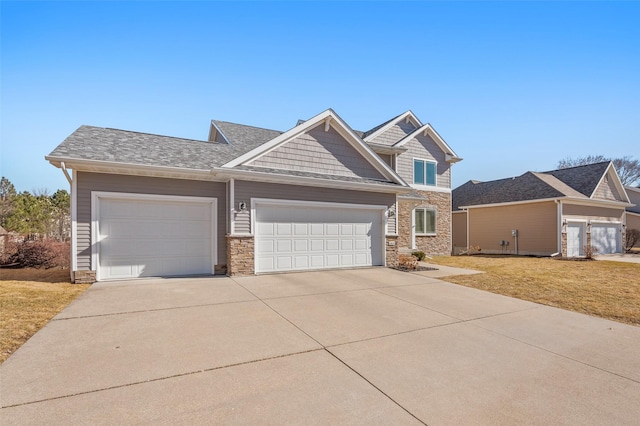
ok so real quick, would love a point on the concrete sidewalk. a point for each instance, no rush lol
(367, 346)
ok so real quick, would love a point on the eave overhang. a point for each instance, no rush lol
(219, 174)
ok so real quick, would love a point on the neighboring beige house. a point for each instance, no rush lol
(562, 211)
(252, 200)
(633, 212)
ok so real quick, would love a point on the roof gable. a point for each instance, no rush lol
(427, 129)
(319, 151)
(583, 179)
(393, 130)
(307, 135)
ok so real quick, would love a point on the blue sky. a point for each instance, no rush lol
(511, 86)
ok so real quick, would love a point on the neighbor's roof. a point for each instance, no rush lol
(577, 182)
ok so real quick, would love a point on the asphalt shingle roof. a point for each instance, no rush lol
(583, 179)
(122, 146)
(578, 181)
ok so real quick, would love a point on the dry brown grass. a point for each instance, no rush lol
(602, 288)
(29, 298)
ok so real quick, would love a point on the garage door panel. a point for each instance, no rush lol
(139, 238)
(301, 246)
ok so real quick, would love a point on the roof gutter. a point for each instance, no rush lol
(570, 200)
(217, 173)
(311, 181)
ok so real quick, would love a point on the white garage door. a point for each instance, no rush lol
(575, 239)
(154, 237)
(606, 238)
(298, 238)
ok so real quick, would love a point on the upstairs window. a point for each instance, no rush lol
(425, 220)
(424, 172)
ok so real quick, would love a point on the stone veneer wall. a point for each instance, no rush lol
(391, 250)
(439, 244)
(84, 277)
(240, 251)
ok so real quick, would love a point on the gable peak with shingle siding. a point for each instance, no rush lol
(583, 179)
(318, 150)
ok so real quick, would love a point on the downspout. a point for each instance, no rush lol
(66, 173)
(467, 211)
(231, 207)
(74, 223)
(559, 227)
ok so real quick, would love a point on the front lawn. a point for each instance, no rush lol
(602, 288)
(29, 298)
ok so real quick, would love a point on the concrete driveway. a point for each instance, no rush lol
(368, 346)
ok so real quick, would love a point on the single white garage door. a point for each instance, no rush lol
(606, 238)
(291, 238)
(154, 237)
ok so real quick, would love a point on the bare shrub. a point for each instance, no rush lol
(38, 254)
(633, 238)
(406, 261)
(590, 251)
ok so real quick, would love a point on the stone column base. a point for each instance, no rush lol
(240, 255)
(391, 250)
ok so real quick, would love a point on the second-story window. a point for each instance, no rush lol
(424, 172)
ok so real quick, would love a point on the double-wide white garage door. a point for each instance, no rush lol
(145, 237)
(290, 238)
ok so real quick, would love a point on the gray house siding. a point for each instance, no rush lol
(245, 191)
(394, 134)
(87, 182)
(425, 148)
(318, 151)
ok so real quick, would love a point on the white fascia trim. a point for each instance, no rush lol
(96, 196)
(565, 200)
(252, 175)
(617, 182)
(430, 188)
(74, 222)
(128, 168)
(218, 130)
(459, 211)
(427, 128)
(512, 203)
(379, 148)
(596, 202)
(327, 118)
(409, 114)
(231, 208)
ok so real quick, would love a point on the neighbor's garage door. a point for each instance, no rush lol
(605, 238)
(142, 237)
(292, 238)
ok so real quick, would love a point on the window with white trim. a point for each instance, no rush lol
(425, 220)
(424, 172)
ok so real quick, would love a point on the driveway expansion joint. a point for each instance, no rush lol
(159, 379)
(556, 353)
(153, 310)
